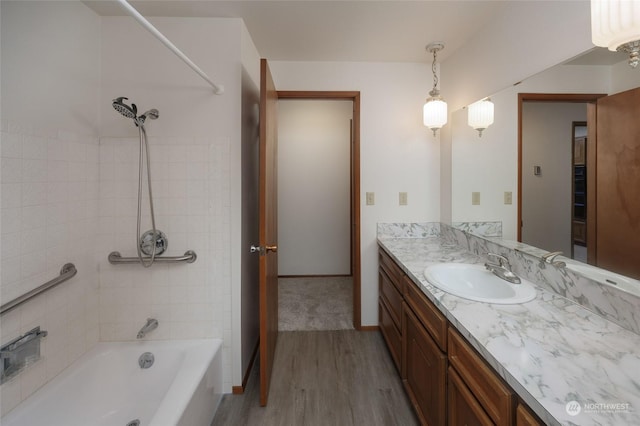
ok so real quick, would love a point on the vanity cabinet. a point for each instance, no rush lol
(524, 417)
(447, 381)
(488, 390)
(424, 366)
(390, 281)
(464, 408)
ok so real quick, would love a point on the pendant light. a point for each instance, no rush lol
(615, 24)
(434, 112)
(480, 115)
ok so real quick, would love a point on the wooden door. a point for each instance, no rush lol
(618, 183)
(268, 229)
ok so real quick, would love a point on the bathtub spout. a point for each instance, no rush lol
(151, 324)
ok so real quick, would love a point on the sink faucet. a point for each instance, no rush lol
(501, 269)
(151, 324)
(548, 258)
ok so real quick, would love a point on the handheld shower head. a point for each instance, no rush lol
(124, 109)
(152, 114)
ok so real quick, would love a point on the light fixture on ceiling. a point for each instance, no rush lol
(434, 112)
(480, 115)
(615, 24)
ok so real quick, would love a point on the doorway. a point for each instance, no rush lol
(546, 169)
(319, 232)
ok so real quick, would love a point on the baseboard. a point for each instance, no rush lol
(239, 390)
(317, 276)
(369, 328)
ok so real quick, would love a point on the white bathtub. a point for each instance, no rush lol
(106, 386)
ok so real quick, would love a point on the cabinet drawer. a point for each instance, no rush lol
(464, 408)
(391, 296)
(432, 319)
(392, 269)
(390, 333)
(494, 396)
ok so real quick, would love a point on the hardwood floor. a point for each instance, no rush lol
(343, 377)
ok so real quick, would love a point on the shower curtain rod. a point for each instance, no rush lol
(217, 88)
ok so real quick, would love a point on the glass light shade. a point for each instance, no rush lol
(480, 115)
(434, 114)
(614, 22)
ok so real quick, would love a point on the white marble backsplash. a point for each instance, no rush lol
(487, 229)
(408, 230)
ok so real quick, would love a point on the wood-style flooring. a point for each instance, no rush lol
(327, 378)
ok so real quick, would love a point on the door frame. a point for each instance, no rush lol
(353, 96)
(587, 98)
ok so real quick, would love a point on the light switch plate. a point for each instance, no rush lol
(508, 197)
(475, 198)
(371, 198)
(402, 198)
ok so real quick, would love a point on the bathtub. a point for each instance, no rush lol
(106, 386)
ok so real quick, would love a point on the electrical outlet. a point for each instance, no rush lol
(371, 198)
(475, 198)
(402, 198)
(508, 197)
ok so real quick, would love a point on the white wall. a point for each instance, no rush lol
(314, 187)
(489, 164)
(195, 152)
(546, 199)
(525, 38)
(397, 152)
(49, 149)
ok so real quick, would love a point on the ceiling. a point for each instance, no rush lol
(329, 30)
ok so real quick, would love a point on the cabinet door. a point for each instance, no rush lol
(425, 371)
(390, 333)
(525, 418)
(464, 408)
(494, 396)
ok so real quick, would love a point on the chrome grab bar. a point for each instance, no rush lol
(189, 256)
(67, 272)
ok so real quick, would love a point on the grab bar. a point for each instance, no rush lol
(67, 272)
(189, 257)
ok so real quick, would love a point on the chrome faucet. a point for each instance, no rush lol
(151, 325)
(502, 269)
(548, 258)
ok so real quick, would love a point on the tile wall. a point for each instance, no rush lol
(49, 217)
(190, 183)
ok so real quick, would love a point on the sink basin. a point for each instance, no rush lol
(474, 282)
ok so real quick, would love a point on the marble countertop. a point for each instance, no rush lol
(551, 351)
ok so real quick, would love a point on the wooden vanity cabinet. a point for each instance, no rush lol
(424, 371)
(464, 408)
(495, 397)
(447, 381)
(390, 281)
(524, 417)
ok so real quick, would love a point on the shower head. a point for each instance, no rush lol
(124, 109)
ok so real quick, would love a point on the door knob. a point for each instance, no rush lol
(272, 248)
